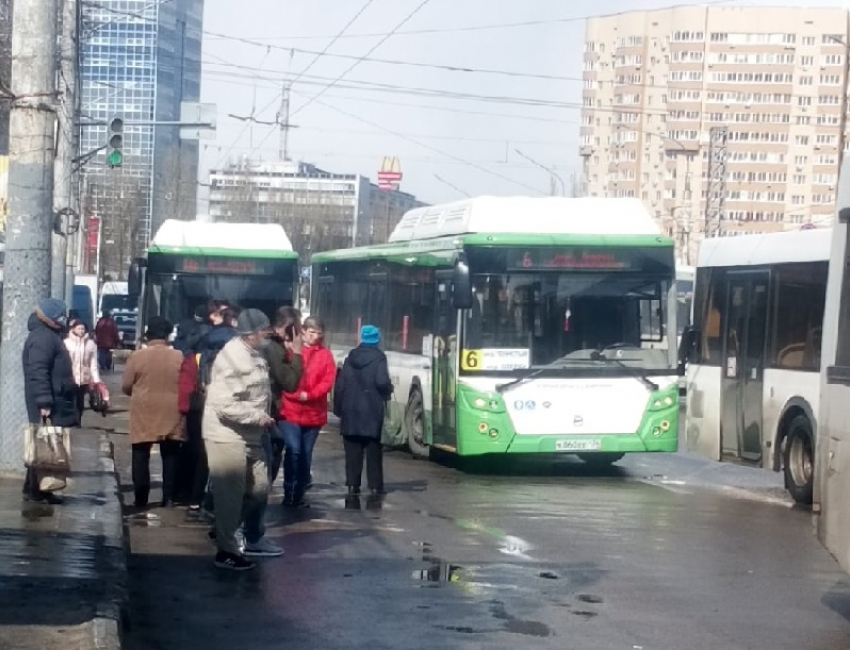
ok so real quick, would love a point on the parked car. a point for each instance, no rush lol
(126, 322)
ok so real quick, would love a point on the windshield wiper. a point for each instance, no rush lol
(501, 388)
(646, 381)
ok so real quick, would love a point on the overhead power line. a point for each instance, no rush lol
(448, 155)
(403, 22)
(493, 26)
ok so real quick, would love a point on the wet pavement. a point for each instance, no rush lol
(61, 567)
(661, 552)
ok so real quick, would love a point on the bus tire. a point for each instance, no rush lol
(799, 460)
(601, 459)
(414, 422)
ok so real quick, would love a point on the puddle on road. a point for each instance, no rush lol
(516, 625)
(144, 520)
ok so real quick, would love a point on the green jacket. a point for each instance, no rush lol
(285, 373)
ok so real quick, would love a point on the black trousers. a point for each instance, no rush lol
(356, 447)
(190, 465)
(82, 392)
(169, 450)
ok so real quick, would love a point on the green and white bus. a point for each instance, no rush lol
(189, 262)
(517, 325)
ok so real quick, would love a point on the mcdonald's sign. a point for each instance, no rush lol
(389, 174)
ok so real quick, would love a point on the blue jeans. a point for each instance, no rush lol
(298, 458)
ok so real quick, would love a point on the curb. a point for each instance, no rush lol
(111, 611)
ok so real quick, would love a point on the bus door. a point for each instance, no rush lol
(444, 363)
(744, 343)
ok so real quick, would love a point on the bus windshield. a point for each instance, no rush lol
(175, 296)
(579, 319)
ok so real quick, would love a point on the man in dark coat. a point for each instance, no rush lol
(191, 331)
(284, 356)
(360, 397)
(49, 389)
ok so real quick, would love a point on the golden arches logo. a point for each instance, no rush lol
(390, 164)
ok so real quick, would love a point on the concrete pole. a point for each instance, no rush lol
(66, 145)
(28, 228)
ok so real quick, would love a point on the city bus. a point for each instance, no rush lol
(517, 325)
(189, 262)
(755, 352)
(832, 464)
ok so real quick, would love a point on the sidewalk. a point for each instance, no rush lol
(63, 568)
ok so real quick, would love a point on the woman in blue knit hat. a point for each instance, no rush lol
(360, 397)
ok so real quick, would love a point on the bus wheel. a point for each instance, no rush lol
(800, 460)
(414, 420)
(602, 459)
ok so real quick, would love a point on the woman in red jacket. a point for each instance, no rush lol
(305, 412)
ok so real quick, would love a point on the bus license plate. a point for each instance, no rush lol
(594, 444)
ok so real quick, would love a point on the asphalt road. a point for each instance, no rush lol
(665, 553)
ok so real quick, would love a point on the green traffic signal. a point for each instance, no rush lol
(115, 142)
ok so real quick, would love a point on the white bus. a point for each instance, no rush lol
(752, 377)
(832, 487)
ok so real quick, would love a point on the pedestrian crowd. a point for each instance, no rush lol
(230, 400)
(234, 399)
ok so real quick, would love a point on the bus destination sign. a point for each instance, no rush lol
(571, 260)
(219, 265)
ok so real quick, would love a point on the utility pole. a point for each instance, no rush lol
(30, 221)
(67, 143)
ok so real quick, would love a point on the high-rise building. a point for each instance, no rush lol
(320, 210)
(723, 120)
(140, 60)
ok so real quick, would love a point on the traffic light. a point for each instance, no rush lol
(115, 143)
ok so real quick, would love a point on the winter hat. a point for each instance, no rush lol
(52, 309)
(251, 321)
(370, 335)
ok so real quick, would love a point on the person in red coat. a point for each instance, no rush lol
(107, 338)
(305, 412)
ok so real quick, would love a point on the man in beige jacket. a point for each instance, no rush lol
(236, 418)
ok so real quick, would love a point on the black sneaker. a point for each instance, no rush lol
(233, 562)
(352, 490)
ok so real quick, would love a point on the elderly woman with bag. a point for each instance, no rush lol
(151, 380)
(49, 388)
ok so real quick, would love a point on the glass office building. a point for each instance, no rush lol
(140, 60)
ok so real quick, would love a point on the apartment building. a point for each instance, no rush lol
(656, 83)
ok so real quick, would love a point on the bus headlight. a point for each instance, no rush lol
(494, 433)
(661, 403)
(480, 403)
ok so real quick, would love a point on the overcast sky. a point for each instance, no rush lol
(468, 143)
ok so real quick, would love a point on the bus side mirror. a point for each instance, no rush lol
(462, 285)
(134, 280)
(686, 348)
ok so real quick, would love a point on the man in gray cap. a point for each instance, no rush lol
(236, 417)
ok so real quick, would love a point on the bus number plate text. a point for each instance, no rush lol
(593, 444)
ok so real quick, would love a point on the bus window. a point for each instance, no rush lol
(798, 315)
(708, 314)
